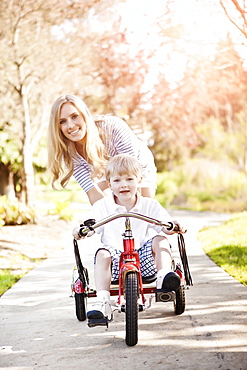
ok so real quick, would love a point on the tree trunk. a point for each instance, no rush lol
(7, 181)
(245, 164)
(27, 156)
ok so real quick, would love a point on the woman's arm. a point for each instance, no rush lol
(103, 185)
(95, 194)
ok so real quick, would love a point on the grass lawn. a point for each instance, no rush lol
(226, 245)
(7, 280)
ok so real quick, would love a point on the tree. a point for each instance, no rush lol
(236, 12)
(120, 75)
(28, 77)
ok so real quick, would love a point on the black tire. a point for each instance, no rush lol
(179, 303)
(131, 309)
(80, 306)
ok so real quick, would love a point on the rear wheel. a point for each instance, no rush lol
(131, 309)
(179, 303)
(80, 306)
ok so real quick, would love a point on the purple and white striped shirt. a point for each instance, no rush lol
(119, 139)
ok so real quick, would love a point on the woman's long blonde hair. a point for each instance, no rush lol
(61, 150)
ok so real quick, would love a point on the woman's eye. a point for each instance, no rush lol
(61, 122)
(74, 116)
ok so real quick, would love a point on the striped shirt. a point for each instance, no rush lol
(119, 139)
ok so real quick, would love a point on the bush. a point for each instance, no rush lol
(167, 188)
(62, 210)
(15, 212)
(202, 185)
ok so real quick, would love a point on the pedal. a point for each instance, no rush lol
(163, 295)
(98, 322)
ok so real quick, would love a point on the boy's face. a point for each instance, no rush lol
(124, 187)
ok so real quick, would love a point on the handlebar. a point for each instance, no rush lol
(91, 224)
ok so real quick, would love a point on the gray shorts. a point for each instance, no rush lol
(146, 259)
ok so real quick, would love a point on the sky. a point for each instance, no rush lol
(204, 24)
(203, 21)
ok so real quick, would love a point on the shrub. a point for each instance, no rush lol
(202, 185)
(167, 188)
(62, 210)
(15, 212)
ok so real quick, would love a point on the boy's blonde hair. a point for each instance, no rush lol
(123, 164)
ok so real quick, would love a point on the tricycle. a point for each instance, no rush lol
(131, 289)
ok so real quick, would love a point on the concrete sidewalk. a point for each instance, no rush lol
(39, 329)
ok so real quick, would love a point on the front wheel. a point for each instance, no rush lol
(80, 306)
(131, 309)
(179, 303)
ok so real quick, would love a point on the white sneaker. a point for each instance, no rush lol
(160, 278)
(100, 309)
(75, 275)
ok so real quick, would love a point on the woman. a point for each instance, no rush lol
(80, 146)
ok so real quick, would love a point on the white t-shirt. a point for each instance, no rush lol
(111, 233)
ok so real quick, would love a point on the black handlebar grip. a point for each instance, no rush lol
(173, 227)
(89, 223)
(82, 232)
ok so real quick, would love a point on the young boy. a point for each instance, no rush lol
(123, 173)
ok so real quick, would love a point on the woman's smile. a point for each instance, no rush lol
(72, 123)
(74, 132)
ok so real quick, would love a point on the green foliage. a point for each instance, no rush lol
(40, 155)
(61, 209)
(63, 203)
(15, 213)
(10, 149)
(167, 187)
(7, 280)
(72, 193)
(226, 245)
(223, 144)
(203, 185)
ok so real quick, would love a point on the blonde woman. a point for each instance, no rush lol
(80, 146)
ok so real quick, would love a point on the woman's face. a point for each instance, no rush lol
(72, 123)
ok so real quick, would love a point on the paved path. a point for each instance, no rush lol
(39, 329)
